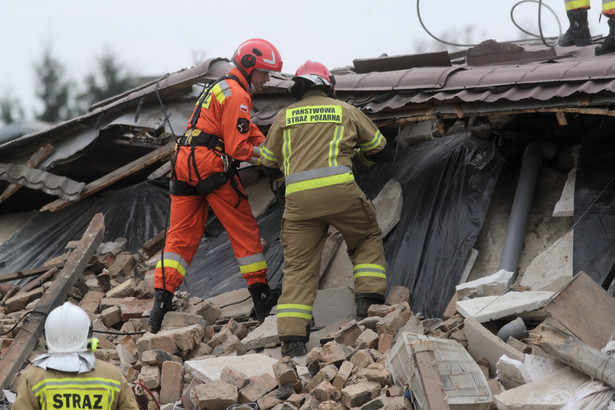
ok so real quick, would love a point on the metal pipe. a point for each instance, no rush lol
(528, 176)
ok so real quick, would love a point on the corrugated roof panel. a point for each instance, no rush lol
(419, 78)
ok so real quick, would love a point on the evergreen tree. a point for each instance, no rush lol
(109, 80)
(10, 109)
(53, 90)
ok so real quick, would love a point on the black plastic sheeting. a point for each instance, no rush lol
(136, 213)
(594, 211)
(214, 269)
(447, 185)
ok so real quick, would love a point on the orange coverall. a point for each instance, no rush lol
(225, 113)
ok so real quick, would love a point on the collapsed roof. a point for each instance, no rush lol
(121, 141)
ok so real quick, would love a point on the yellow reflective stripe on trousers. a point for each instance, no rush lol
(318, 183)
(578, 4)
(175, 261)
(368, 146)
(286, 151)
(608, 7)
(295, 310)
(368, 269)
(334, 145)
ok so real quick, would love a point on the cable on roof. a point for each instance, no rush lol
(541, 35)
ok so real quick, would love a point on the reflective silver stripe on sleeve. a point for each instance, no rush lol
(317, 173)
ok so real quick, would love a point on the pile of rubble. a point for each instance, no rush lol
(211, 355)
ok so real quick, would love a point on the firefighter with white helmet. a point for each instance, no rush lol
(316, 143)
(69, 376)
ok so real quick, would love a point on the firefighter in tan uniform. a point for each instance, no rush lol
(69, 376)
(314, 143)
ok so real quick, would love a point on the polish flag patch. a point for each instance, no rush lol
(243, 108)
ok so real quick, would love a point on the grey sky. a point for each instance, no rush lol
(156, 37)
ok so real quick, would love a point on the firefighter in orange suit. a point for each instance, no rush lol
(314, 143)
(218, 137)
(69, 376)
(578, 32)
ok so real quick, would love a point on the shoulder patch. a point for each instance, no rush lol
(243, 125)
(243, 108)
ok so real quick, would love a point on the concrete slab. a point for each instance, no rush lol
(565, 206)
(209, 369)
(552, 269)
(242, 308)
(482, 344)
(260, 196)
(488, 308)
(551, 392)
(389, 204)
(333, 304)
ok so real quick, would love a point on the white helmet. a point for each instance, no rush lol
(67, 329)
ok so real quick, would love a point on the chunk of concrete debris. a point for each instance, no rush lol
(395, 320)
(482, 344)
(488, 308)
(495, 284)
(388, 204)
(237, 303)
(209, 369)
(511, 373)
(216, 395)
(262, 336)
(550, 392)
(552, 269)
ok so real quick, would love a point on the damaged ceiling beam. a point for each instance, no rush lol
(161, 153)
(402, 120)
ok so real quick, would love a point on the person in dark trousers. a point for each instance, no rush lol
(218, 137)
(68, 376)
(578, 33)
(314, 144)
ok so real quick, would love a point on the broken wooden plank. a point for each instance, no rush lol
(425, 362)
(38, 281)
(27, 273)
(117, 175)
(576, 354)
(586, 309)
(25, 341)
(33, 162)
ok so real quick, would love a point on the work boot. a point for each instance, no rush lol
(608, 45)
(264, 298)
(578, 32)
(163, 302)
(364, 301)
(294, 348)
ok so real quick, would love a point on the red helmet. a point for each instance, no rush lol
(257, 54)
(317, 73)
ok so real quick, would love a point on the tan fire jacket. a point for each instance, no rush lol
(103, 388)
(314, 143)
